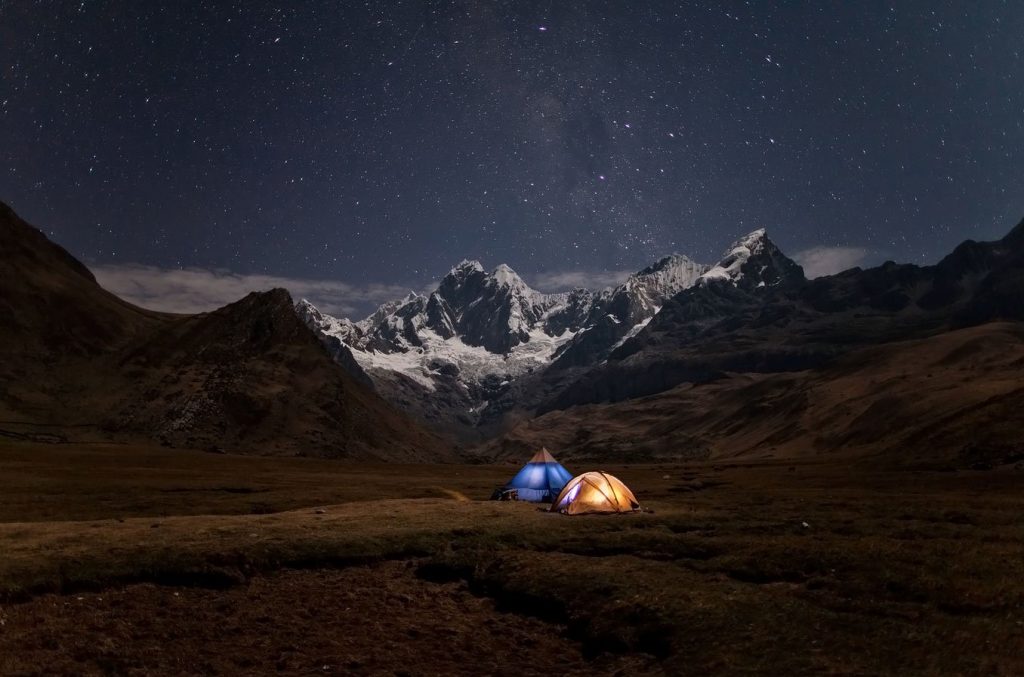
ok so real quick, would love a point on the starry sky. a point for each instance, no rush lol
(372, 145)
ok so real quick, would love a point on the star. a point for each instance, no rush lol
(250, 159)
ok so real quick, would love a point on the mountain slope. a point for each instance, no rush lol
(50, 304)
(619, 313)
(955, 399)
(80, 364)
(712, 329)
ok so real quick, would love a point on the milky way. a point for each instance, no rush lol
(382, 142)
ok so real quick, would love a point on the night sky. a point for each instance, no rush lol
(377, 144)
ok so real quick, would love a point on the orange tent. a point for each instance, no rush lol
(595, 492)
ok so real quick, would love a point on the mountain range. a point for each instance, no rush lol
(741, 358)
(491, 359)
(457, 356)
(915, 364)
(718, 328)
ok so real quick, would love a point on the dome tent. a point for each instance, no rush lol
(540, 479)
(595, 492)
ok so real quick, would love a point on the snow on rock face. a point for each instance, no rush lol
(752, 262)
(481, 330)
(466, 267)
(504, 276)
(475, 325)
(494, 310)
(615, 313)
(649, 288)
(320, 322)
(731, 266)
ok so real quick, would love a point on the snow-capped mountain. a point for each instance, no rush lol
(480, 329)
(754, 261)
(492, 320)
(616, 314)
(449, 354)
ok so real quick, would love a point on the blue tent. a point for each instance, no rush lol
(540, 480)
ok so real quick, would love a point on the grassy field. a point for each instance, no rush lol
(134, 560)
(67, 482)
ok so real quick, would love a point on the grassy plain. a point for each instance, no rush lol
(132, 560)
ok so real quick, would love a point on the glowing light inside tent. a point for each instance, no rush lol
(571, 495)
(540, 479)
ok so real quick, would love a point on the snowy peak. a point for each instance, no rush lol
(568, 311)
(730, 267)
(495, 311)
(504, 276)
(466, 267)
(342, 328)
(669, 276)
(670, 262)
(643, 293)
(462, 283)
(616, 314)
(454, 354)
(502, 312)
(470, 275)
(753, 262)
(304, 308)
(498, 311)
(753, 240)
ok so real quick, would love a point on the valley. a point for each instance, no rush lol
(526, 339)
(829, 473)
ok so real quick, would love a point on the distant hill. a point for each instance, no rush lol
(955, 399)
(80, 364)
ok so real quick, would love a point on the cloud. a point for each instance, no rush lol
(193, 290)
(818, 261)
(570, 279)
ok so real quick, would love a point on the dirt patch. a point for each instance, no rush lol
(379, 620)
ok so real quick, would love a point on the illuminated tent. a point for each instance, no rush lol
(595, 492)
(540, 480)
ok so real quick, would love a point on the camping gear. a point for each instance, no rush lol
(595, 492)
(539, 481)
